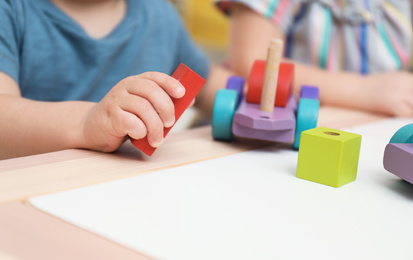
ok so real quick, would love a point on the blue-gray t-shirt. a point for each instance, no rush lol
(53, 59)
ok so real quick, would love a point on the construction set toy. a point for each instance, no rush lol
(269, 110)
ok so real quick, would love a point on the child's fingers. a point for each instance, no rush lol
(144, 110)
(127, 123)
(159, 99)
(171, 86)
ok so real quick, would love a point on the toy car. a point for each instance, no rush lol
(283, 121)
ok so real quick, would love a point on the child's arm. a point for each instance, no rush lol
(217, 79)
(137, 106)
(388, 93)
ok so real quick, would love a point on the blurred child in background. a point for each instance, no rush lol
(358, 52)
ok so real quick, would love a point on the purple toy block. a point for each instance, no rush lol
(236, 83)
(276, 126)
(398, 159)
(309, 92)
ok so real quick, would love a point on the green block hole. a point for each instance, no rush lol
(331, 133)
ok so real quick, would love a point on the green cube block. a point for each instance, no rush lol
(328, 156)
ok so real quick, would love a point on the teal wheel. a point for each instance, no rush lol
(223, 112)
(307, 117)
(403, 135)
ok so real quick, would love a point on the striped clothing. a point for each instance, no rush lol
(364, 36)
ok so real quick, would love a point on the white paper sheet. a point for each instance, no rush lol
(251, 206)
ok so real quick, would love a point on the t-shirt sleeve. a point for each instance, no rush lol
(192, 56)
(10, 13)
(188, 52)
(280, 12)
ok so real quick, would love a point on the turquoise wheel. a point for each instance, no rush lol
(403, 135)
(307, 117)
(223, 112)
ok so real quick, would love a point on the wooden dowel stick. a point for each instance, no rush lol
(269, 88)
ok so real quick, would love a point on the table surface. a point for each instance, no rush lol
(250, 205)
(24, 178)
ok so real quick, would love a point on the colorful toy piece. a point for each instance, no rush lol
(225, 104)
(193, 84)
(226, 101)
(268, 112)
(307, 113)
(236, 83)
(398, 154)
(309, 92)
(276, 126)
(328, 156)
(284, 86)
(403, 135)
(398, 159)
(269, 88)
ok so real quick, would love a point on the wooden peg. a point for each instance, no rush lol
(274, 56)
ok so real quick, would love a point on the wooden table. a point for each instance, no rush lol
(27, 233)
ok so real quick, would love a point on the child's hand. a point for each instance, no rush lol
(390, 93)
(137, 106)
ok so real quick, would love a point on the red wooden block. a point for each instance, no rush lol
(193, 84)
(284, 86)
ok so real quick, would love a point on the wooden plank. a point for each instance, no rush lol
(27, 233)
(25, 177)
